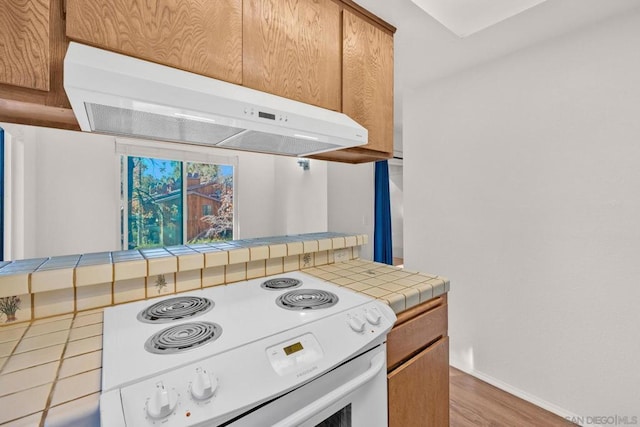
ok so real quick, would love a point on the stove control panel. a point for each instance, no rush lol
(372, 315)
(162, 402)
(297, 354)
(356, 323)
(364, 320)
(203, 385)
(168, 398)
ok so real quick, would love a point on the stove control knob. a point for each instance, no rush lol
(356, 323)
(204, 385)
(162, 403)
(373, 316)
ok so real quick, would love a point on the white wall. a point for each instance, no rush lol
(397, 140)
(276, 197)
(351, 201)
(523, 186)
(301, 196)
(65, 190)
(256, 196)
(397, 208)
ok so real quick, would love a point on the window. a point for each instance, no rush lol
(171, 202)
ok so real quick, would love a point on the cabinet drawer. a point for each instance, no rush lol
(411, 336)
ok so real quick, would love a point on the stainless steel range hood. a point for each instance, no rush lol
(116, 94)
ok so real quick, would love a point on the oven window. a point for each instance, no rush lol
(342, 418)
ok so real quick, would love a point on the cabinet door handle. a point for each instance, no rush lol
(297, 418)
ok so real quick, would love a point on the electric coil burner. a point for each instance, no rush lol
(177, 308)
(281, 283)
(183, 337)
(307, 299)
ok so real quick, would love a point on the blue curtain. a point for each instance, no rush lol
(382, 245)
(1, 194)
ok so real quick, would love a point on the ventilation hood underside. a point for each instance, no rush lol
(116, 94)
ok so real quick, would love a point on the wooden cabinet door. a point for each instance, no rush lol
(367, 80)
(32, 48)
(24, 43)
(291, 48)
(201, 36)
(419, 389)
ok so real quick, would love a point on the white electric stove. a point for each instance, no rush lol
(285, 350)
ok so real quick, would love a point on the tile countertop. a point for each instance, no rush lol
(50, 368)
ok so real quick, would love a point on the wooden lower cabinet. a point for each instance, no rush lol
(419, 389)
(418, 367)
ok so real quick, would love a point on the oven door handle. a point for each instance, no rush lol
(297, 418)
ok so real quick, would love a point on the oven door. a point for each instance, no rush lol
(351, 395)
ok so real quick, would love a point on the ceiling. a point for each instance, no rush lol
(465, 17)
(425, 50)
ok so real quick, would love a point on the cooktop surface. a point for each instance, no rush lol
(148, 337)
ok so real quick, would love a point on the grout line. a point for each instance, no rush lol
(52, 382)
(175, 283)
(8, 422)
(33, 303)
(113, 284)
(45, 411)
(13, 350)
(74, 399)
(75, 290)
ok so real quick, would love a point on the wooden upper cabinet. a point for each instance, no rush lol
(24, 44)
(292, 48)
(367, 80)
(329, 53)
(201, 36)
(32, 48)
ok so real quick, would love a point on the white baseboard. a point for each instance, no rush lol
(523, 395)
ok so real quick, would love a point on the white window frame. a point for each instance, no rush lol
(126, 147)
